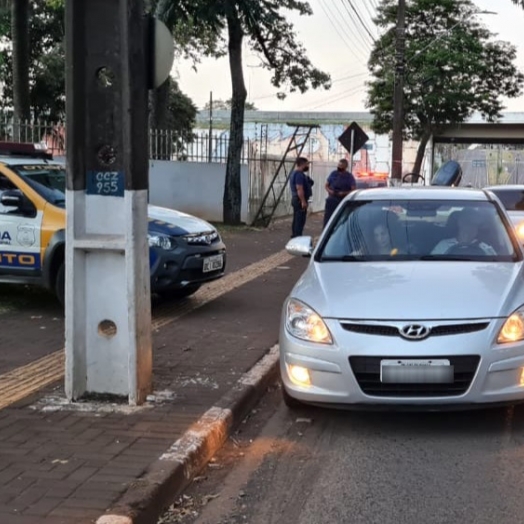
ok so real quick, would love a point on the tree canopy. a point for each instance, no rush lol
(225, 105)
(453, 68)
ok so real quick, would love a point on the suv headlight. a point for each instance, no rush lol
(304, 323)
(161, 241)
(513, 328)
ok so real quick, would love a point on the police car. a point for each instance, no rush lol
(369, 179)
(185, 251)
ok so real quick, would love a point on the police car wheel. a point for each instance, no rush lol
(60, 284)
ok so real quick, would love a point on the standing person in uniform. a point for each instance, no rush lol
(339, 184)
(300, 184)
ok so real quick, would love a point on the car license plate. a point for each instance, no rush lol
(415, 371)
(213, 263)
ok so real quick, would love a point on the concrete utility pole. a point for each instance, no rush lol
(398, 96)
(111, 61)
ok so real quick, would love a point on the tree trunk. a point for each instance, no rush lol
(158, 122)
(232, 201)
(420, 152)
(20, 38)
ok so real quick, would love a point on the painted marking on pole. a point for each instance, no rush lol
(26, 380)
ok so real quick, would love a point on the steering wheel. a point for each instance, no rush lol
(416, 176)
(466, 250)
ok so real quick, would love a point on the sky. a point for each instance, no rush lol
(337, 43)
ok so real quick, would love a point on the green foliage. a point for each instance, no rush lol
(46, 70)
(225, 105)
(453, 67)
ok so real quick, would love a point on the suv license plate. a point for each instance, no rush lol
(213, 263)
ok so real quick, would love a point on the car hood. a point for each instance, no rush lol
(423, 290)
(175, 223)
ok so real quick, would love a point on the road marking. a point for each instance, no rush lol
(26, 380)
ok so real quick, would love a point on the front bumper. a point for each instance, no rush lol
(183, 266)
(347, 374)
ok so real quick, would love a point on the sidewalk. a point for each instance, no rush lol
(60, 465)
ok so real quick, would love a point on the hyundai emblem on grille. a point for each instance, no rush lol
(415, 332)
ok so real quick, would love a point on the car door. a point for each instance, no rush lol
(19, 235)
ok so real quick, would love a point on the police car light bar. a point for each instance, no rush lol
(377, 174)
(25, 149)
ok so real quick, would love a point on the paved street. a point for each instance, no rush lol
(60, 465)
(314, 466)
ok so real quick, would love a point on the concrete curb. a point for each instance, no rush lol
(170, 474)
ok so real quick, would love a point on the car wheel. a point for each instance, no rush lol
(60, 284)
(180, 293)
(289, 401)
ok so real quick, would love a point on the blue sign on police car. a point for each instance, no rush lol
(105, 183)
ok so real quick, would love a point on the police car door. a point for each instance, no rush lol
(19, 236)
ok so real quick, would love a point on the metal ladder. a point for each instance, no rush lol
(280, 180)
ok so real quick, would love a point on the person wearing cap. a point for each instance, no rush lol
(466, 237)
(301, 191)
(339, 184)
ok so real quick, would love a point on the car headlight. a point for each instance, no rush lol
(513, 328)
(520, 230)
(304, 323)
(161, 241)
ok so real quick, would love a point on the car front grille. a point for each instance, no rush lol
(367, 373)
(392, 331)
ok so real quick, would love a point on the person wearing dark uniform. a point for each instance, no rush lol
(339, 184)
(301, 190)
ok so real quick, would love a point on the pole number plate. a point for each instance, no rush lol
(105, 183)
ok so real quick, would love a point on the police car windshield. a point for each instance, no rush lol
(48, 180)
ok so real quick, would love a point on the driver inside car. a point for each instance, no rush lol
(466, 239)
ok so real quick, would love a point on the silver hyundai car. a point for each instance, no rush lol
(413, 298)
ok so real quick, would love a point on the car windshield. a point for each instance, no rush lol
(48, 180)
(512, 199)
(418, 230)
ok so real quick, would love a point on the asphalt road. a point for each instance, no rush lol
(331, 467)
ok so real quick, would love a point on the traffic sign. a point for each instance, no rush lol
(359, 138)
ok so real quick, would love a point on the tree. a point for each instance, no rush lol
(453, 68)
(45, 69)
(20, 57)
(47, 74)
(269, 34)
(225, 105)
(519, 2)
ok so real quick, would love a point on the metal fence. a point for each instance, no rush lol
(163, 144)
(166, 145)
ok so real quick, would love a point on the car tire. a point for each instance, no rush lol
(60, 284)
(184, 292)
(289, 401)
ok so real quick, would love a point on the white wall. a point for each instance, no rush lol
(193, 187)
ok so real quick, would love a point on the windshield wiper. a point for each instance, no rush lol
(451, 258)
(345, 258)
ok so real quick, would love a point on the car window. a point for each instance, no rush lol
(48, 180)
(418, 230)
(6, 185)
(512, 200)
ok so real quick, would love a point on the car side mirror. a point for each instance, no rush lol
(12, 198)
(300, 246)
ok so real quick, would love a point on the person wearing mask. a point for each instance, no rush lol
(339, 184)
(301, 191)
